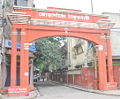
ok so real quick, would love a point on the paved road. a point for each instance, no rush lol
(49, 90)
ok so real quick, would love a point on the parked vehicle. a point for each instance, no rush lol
(36, 78)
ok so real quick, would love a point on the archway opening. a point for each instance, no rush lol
(66, 60)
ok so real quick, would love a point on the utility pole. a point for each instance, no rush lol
(91, 6)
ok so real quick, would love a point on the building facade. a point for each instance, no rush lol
(80, 53)
(26, 3)
(1, 33)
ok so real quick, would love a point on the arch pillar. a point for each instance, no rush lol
(22, 89)
(102, 72)
(105, 70)
(24, 69)
(11, 89)
(13, 57)
(109, 58)
(109, 61)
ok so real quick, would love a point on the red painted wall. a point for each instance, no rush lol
(116, 73)
(84, 79)
(65, 78)
(70, 79)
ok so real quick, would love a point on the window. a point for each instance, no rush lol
(78, 49)
(90, 64)
(18, 35)
(15, 2)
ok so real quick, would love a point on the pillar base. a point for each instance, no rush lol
(18, 91)
(4, 90)
(31, 88)
(108, 86)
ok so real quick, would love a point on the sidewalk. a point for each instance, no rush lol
(32, 95)
(109, 92)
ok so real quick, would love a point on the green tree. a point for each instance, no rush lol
(49, 53)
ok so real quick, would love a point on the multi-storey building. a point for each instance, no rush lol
(27, 3)
(80, 53)
(1, 33)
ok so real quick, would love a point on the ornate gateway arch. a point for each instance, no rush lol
(34, 24)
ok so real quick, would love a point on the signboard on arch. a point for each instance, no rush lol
(58, 14)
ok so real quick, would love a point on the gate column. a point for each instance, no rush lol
(102, 73)
(109, 62)
(105, 82)
(24, 70)
(109, 58)
(11, 89)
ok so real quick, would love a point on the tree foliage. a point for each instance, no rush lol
(49, 53)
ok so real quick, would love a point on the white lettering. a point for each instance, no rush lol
(57, 15)
(17, 90)
(78, 17)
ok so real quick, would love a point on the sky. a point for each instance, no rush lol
(99, 6)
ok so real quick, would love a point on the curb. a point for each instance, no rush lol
(91, 91)
(101, 92)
